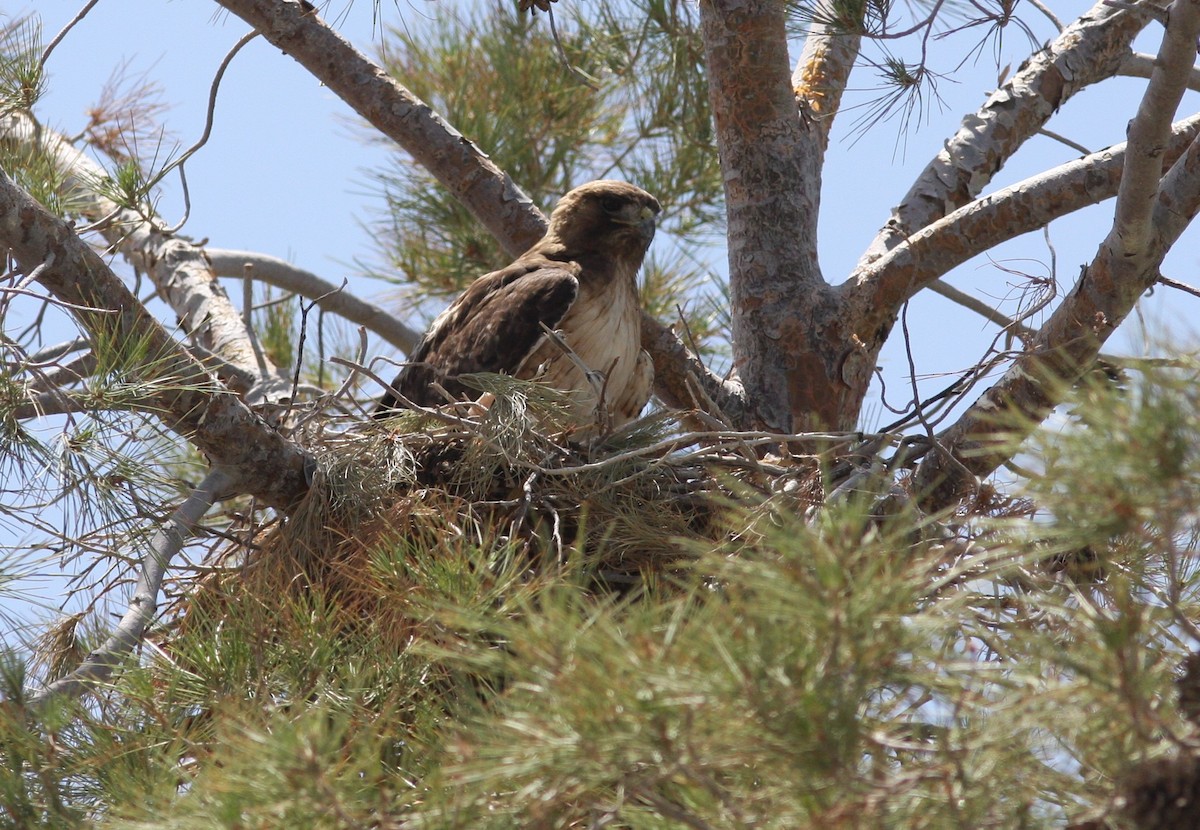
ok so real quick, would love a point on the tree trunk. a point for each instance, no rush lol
(785, 338)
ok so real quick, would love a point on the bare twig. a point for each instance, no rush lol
(1050, 15)
(208, 125)
(981, 308)
(1062, 139)
(1179, 286)
(45, 56)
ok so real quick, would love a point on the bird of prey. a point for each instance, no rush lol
(580, 280)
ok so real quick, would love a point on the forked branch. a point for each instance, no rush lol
(1150, 214)
(887, 282)
(1089, 50)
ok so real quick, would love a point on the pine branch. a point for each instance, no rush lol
(1149, 216)
(179, 269)
(822, 72)
(329, 297)
(166, 542)
(462, 168)
(1089, 50)
(183, 394)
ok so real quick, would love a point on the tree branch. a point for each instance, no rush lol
(462, 168)
(981, 308)
(1089, 50)
(178, 268)
(329, 297)
(675, 366)
(881, 286)
(822, 72)
(1149, 216)
(1138, 65)
(168, 539)
(818, 83)
(182, 393)
(1148, 132)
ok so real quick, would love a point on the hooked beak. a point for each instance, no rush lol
(646, 222)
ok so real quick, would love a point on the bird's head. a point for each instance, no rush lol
(608, 213)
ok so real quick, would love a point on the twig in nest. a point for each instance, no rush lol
(596, 379)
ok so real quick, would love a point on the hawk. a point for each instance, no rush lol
(580, 279)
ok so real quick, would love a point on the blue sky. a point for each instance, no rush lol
(285, 171)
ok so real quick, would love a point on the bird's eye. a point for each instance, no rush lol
(611, 204)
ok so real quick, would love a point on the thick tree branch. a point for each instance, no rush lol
(1148, 132)
(166, 542)
(822, 72)
(875, 290)
(1089, 50)
(177, 268)
(329, 297)
(1176, 205)
(676, 368)
(1149, 216)
(462, 168)
(818, 83)
(183, 394)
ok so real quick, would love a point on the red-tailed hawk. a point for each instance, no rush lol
(579, 279)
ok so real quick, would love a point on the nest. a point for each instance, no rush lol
(519, 477)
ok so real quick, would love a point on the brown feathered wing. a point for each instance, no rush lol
(492, 327)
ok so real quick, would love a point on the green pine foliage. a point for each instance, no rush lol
(22, 79)
(1004, 668)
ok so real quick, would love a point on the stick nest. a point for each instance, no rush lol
(514, 475)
